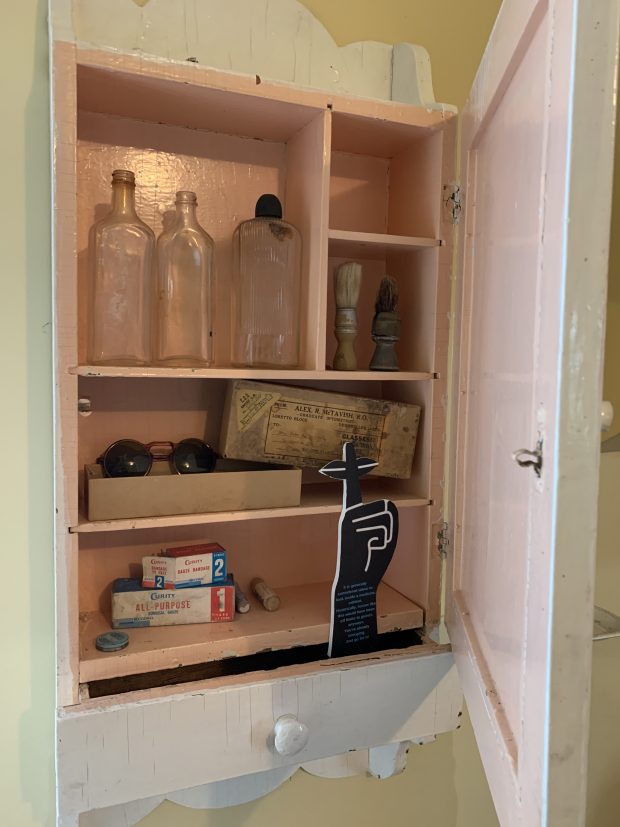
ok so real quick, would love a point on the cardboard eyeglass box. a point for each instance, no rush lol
(232, 486)
(307, 427)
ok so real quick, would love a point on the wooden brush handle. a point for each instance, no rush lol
(346, 333)
(347, 280)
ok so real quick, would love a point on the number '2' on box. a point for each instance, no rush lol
(184, 567)
(133, 605)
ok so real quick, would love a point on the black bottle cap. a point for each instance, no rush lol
(268, 206)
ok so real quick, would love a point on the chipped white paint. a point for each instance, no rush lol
(345, 765)
(381, 762)
(274, 39)
(388, 760)
(216, 795)
(120, 815)
(232, 791)
(112, 751)
(412, 79)
(532, 316)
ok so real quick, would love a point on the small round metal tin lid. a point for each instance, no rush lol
(112, 641)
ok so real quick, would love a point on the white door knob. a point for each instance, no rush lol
(290, 736)
(607, 415)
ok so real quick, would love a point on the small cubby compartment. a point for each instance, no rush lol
(385, 178)
(415, 273)
(298, 561)
(384, 212)
(227, 147)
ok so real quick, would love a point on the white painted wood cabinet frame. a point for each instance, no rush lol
(518, 599)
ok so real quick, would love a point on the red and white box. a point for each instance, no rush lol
(185, 566)
(134, 606)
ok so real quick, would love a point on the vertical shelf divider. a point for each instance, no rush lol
(307, 206)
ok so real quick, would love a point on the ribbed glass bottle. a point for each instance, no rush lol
(121, 249)
(184, 290)
(266, 289)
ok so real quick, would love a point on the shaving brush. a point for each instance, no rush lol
(385, 326)
(347, 281)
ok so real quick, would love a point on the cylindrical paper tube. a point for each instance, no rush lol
(266, 595)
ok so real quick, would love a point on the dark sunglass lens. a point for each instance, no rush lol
(193, 456)
(127, 458)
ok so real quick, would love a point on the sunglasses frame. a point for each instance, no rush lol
(156, 456)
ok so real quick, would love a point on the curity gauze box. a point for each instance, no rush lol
(182, 566)
(305, 427)
(133, 605)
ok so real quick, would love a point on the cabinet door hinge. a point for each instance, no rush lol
(443, 540)
(452, 201)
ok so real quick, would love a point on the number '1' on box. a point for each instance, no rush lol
(133, 605)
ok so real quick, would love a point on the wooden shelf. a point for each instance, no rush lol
(270, 375)
(319, 498)
(381, 136)
(302, 620)
(349, 244)
(190, 95)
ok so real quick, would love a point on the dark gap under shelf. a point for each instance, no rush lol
(260, 662)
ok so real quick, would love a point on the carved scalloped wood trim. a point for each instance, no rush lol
(216, 795)
(276, 39)
(380, 762)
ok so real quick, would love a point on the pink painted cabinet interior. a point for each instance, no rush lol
(362, 180)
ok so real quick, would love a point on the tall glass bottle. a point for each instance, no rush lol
(266, 289)
(121, 249)
(184, 289)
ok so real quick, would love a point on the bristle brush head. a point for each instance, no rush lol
(387, 297)
(347, 282)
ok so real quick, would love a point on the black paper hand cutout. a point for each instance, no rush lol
(368, 536)
(367, 539)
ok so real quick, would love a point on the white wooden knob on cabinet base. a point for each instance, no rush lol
(290, 736)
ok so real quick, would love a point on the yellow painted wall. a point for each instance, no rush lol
(604, 757)
(27, 677)
(443, 784)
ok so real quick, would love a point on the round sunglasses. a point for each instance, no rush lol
(130, 458)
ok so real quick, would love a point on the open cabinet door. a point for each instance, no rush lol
(537, 144)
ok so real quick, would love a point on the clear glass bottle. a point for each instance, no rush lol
(184, 289)
(121, 250)
(266, 289)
